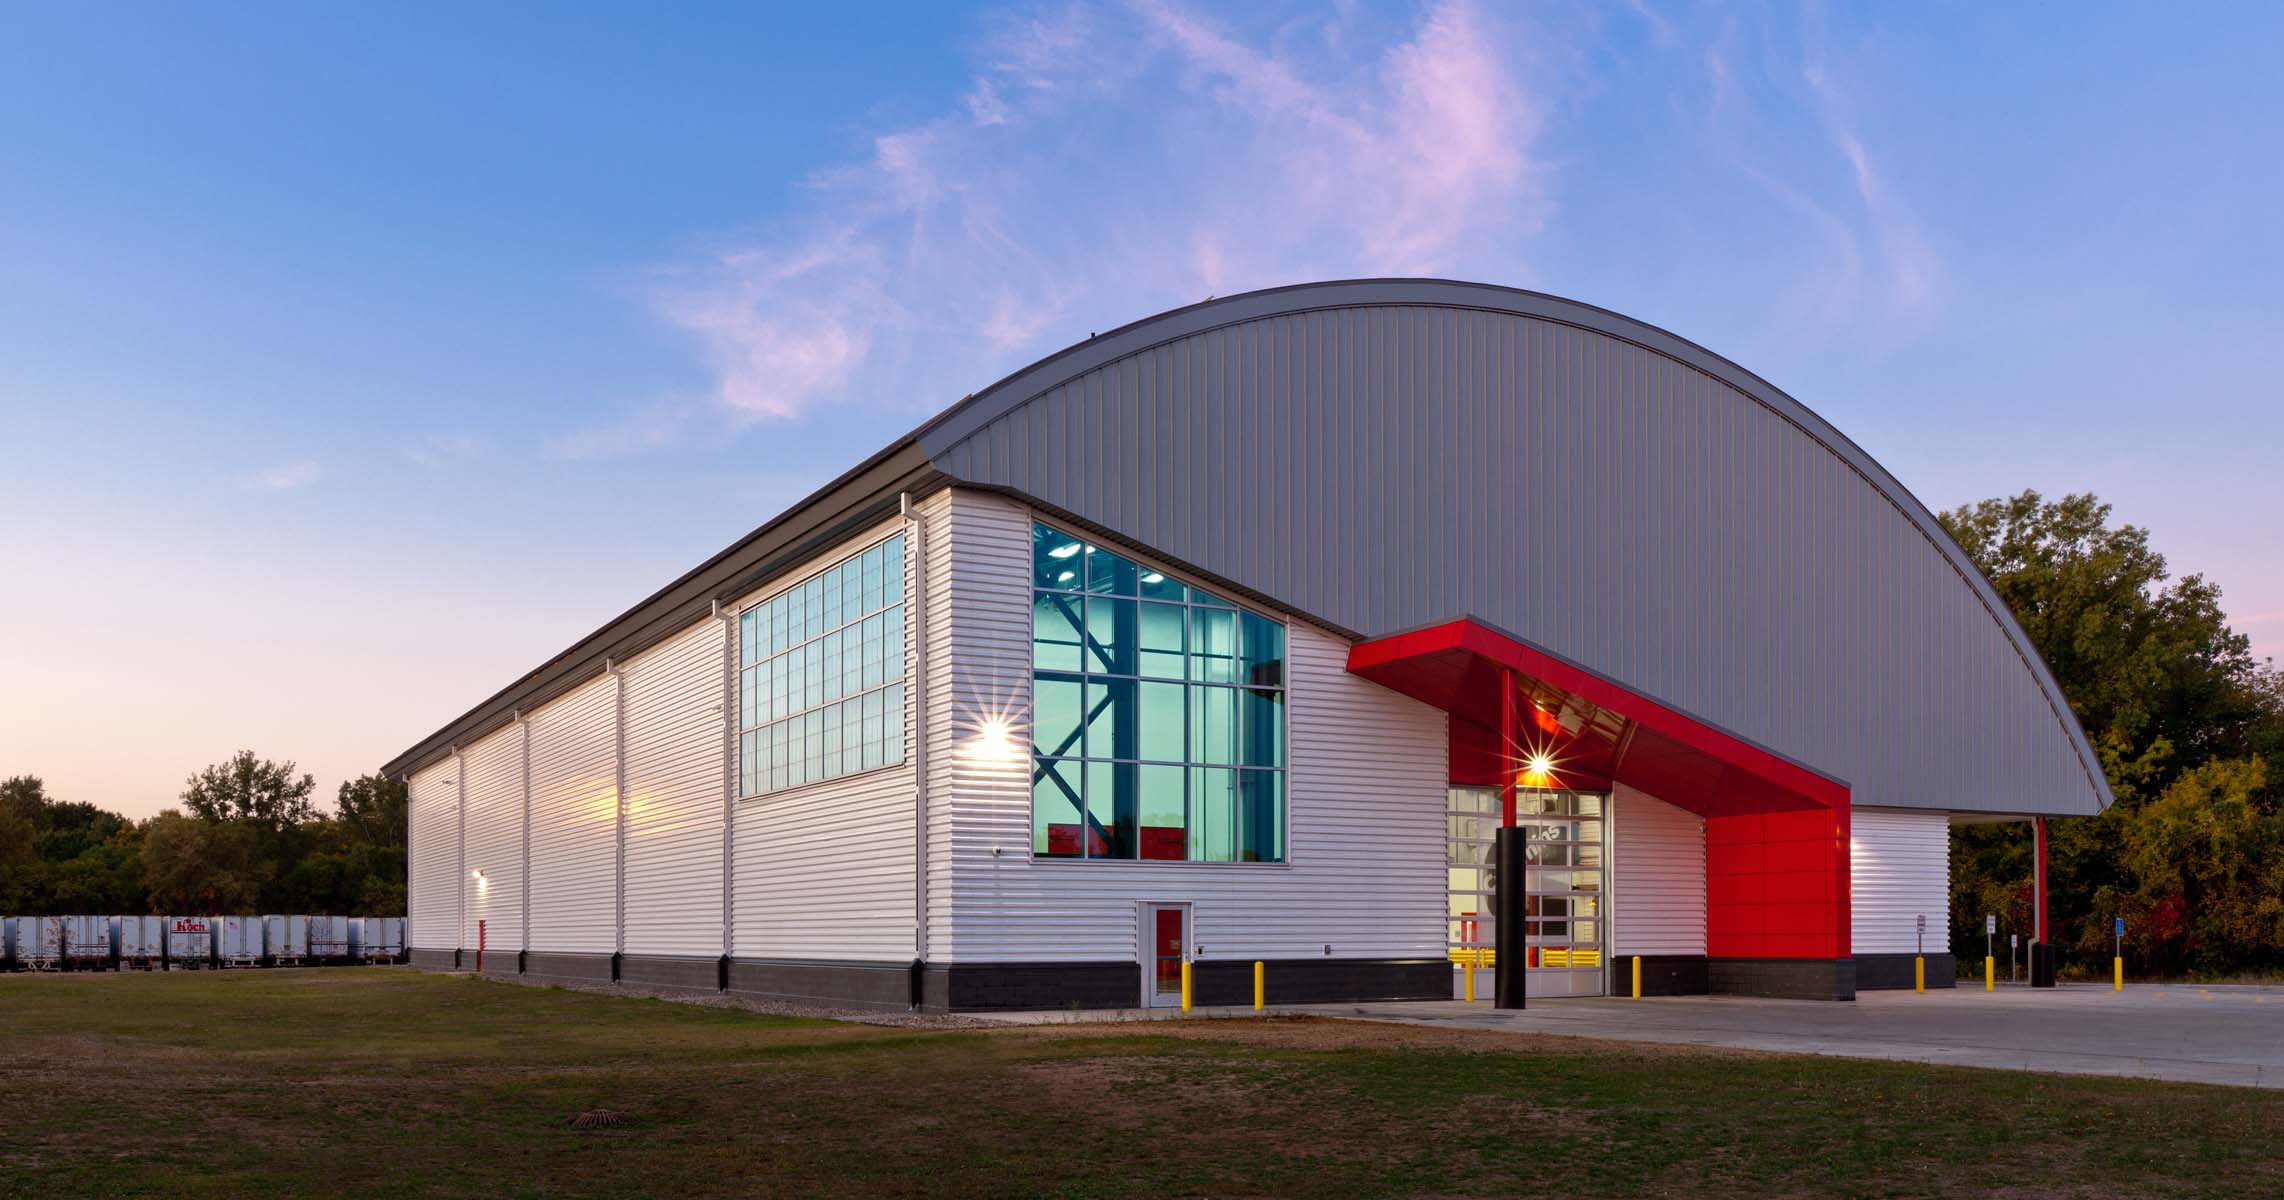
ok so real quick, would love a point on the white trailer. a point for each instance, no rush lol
(7, 944)
(285, 940)
(329, 939)
(64, 943)
(238, 941)
(382, 938)
(138, 943)
(190, 943)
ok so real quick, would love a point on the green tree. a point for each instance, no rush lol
(2157, 678)
(2203, 873)
(204, 867)
(251, 789)
(375, 810)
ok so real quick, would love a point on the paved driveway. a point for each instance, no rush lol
(2226, 1035)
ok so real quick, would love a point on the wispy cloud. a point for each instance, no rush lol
(1912, 271)
(436, 451)
(645, 427)
(1103, 162)
(286, 477)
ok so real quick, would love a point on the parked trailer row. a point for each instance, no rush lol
(84, 943)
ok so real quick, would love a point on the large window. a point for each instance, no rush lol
(1157, 714)
(821, 675)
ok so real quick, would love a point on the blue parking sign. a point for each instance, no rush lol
(2119, 928)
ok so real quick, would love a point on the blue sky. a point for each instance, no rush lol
(353, 361)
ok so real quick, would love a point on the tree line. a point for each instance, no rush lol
(246, 839)
(2189, 727)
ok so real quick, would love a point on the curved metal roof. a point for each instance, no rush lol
(1379, 454)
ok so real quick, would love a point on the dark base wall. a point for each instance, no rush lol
(580, 968)
(1321, 980)
(846, 985)
(1662, 975)
(434, 960)
(681, 974)
(1892, 972)
(1783, 978)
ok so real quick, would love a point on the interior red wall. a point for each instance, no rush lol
(1776, 884)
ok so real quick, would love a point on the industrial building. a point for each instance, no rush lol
(1231, 636)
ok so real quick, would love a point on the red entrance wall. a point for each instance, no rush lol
(1776, 884)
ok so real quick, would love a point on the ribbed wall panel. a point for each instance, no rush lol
(1899, 869)
(1388, 454)
(574, 821)
(1657, 857)
(674, 745)
(1366, 807)
(434, 850)
(826, 871)
(955, 707)
(492, 774)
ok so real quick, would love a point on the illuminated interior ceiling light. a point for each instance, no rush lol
(1152, 577)
(1064, 551)
(1066, 577)
(1540, 764)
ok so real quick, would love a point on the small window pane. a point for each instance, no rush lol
(1055, 559)
(1213, 645)
(892, 644)
(892, 570)
(1112, 806)
(1164, 637)
(1261, 816)
(1055, 716)
(1263, 644)
(1055, 809)
(1155, 586)
(1163, 813)
(1260, 728)
(1163, 717)
(1055, 622)
(1213, 725)
(1112, 719)
(1112, 639)
(1213, 815)
(1109, 573)
(871, 579)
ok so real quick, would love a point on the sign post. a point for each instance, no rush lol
(1919, 960)
(2013, 942)
(1990, 955)
(2117, 957)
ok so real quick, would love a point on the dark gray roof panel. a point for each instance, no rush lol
(1377, 454)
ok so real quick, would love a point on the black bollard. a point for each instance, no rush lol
(1507, 907)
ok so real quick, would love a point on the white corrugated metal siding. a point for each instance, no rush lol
(574, 821)
(1657, 890)
(434, 898)
(1365, 813)
(674, 765)
(1899, 869)
(492, 779)
(825, 871)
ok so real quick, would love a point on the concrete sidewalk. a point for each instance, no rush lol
(2231, 1035)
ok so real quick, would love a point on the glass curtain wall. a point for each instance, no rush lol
(1158, 714)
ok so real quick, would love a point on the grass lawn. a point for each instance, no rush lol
(383, 1082)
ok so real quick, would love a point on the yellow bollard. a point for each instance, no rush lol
(1919, 974)
(1990, 973)
(2118, 984)
(1260, 985)
(1470, 969)
(1637, 977)
(1185, 985)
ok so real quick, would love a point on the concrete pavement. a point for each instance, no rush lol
(2223, 1035)
(2232, 1035)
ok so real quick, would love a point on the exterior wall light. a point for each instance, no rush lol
(994, 742)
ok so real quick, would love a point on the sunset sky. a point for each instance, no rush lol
(353, 360)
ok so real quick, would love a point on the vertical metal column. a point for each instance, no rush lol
(524, 727)
(2038, 871)
(619, 795)
(916, 626)
(460, 853)
(733, 724)
(1508, 965)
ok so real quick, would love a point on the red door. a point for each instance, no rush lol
(1166, 929)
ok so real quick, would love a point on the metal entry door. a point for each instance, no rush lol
(1165, 930)
(1563, 887)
